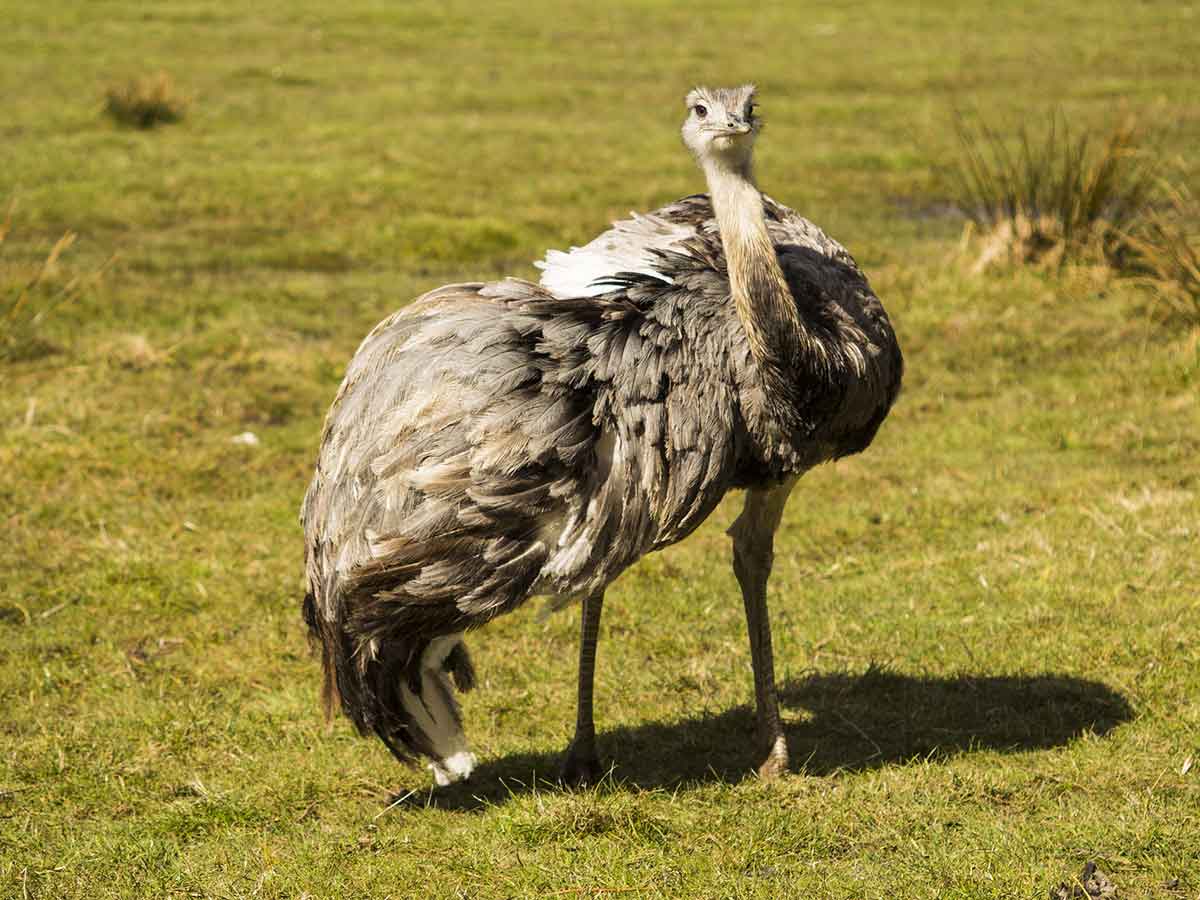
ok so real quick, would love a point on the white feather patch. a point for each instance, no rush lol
(626, 247)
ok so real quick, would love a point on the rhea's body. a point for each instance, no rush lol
(494, 442)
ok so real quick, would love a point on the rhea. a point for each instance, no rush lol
(493, 442)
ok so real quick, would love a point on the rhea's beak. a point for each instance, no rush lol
(737, 126)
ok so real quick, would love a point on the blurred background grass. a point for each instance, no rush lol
(986, 623)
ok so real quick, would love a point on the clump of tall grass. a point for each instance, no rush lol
(1165, 252)
(146, 102)
(26, 300)
(1066, 197)
(1054, 199)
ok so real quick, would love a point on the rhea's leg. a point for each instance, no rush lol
(753, 535)
(581, 765)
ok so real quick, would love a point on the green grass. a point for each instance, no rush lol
(986, 626)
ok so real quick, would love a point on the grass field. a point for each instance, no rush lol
(986, 626)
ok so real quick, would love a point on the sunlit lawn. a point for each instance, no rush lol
(985, 626)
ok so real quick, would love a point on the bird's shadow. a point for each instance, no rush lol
(835, 722)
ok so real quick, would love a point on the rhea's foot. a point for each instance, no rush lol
(581, 766)
(776, 763)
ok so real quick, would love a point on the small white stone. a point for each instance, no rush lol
(249, 438)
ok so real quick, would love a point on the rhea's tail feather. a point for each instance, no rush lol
(331, 697)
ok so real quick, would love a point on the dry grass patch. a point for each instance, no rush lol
(1066, 198)
(1166, 253)
(1053, 199)
(27, 298)
(146, 101)
(134, 351)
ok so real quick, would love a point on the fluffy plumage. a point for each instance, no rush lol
(494, 442)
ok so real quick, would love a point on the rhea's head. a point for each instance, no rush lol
(721, 126)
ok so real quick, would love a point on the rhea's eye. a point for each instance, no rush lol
(701, 110)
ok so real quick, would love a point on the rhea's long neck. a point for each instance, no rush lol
(760, 292)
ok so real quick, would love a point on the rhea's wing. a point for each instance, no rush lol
(632, 245)
(495, 441)
(444, 449)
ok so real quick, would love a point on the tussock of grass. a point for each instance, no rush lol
(1074, 198)
(1063, 197)
(1166, 253)
(146, 101)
